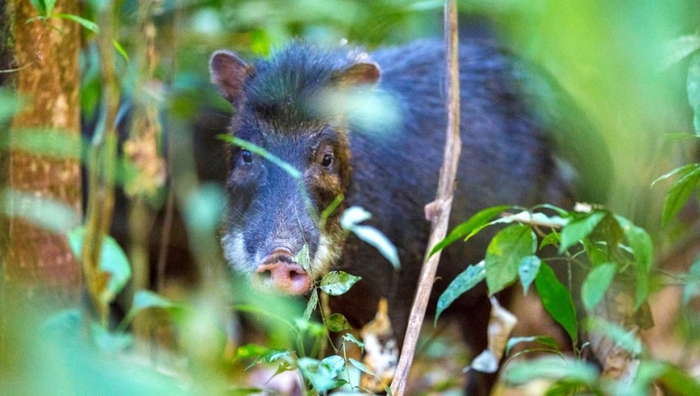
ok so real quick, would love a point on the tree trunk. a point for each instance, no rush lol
(42, 184)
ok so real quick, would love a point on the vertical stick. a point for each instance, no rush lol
(438, 211)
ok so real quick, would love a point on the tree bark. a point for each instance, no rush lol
(36, 258)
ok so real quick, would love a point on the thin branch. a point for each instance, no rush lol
(439, 210)
(102, 162)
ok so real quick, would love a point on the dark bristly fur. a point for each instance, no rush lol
(506, 159)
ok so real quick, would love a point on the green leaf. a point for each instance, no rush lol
(678, 382)
(9, 104)
(362, 367)
(469, 227)
(110, 342)
(624, 338)
(542, 340)
(113, 261)
(596, 284)
(249, 351)
(375, 238)
(693, 86)
(332, 365)
(40, 7)
(337, 283)
(255, 149)
(557, 300)
(552, 238)
(692, 283)
(311, 304)
(332, 206)
(551, 368)
(144, 299)
(351, 338)
(528, 268)
(680, 48)
(579, 229)
(643, 249)
(272, 355)
(350, 221)
(462, 283)
(353, 216)
(50, 4)
(679, 194)
(681, 171)
(87, 24)
(504, 254)
(304, 258)
(322, 375)
(120, 50)
(337, 323)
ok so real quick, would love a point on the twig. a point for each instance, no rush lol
(102, 157)
(439, 210)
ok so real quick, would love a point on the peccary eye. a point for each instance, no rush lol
(327, 160)
(246, 156)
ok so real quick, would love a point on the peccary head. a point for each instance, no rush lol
(273, 215)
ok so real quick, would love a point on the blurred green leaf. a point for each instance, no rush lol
(332, 207)
(361, 366)
(40, 7)
(679, 382)
(624, 338)
(271, 356)
(351, 338)
(47, 142)
(692, 283)
(337, 283)
(87, 24)
(462, 283)
(557, 300)
(353, 216)
(304, 258)
(504, 254)
(9, 104)
(203, 209)
(679, 193)
(110, 342)
(44, 212)
(693, 87)
(113, 261)
(322, 374)
(292, 171)
(551, 368)
(470, 227)
(542, 340)
(350, 221)
(680, 48)
(249, 351)
(120, 50)
(311, 305)
(375, 238)
(596, 284)
(337, 323)
(579, 229)
(144, 299)
(528, 268)
(643, 248)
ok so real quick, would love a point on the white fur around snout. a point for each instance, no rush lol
(238, 258)
(235, 252)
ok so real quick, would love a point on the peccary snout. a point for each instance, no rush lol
(280, 272)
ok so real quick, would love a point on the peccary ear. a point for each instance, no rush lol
(229, 73)
(364, 73)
